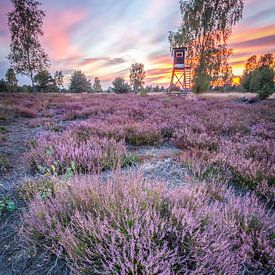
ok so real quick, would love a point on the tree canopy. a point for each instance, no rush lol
(79, 83)
(25, 24)
(120, 86)
(259, 75)
(97, 85)
(205, 28)
(137, 76)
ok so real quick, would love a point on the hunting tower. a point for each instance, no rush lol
(181, 71)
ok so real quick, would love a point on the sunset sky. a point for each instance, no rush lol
(103, 38)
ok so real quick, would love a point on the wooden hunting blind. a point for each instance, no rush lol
(181, 71)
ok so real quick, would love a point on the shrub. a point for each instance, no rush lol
(26, 112)
(72, 148)
(7, 205)
(266, 91)
(131, 226)
(143, 134)
(120, 86)
(79, 83)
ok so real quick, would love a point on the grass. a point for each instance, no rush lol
(4, 163)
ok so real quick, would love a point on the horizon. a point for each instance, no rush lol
(93, 37)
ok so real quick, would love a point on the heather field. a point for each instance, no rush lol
(131, 184)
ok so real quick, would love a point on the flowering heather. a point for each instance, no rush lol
(75, 150)
(236, 140)
(131, 226)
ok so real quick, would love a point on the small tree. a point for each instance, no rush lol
(205, 29)
(59, 80)
(120, 86)
(137, 76)
(259, 76)
(97, 86)
(79, 83)
(44, 82)
(11, 80)
(3, 86)
(25, 25)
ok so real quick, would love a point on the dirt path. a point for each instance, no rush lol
(14, 148)
(13, 257)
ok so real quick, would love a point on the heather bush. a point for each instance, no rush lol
(128, 225)
(143, 134)
(77, 149)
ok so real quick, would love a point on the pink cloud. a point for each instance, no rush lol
(58, 33)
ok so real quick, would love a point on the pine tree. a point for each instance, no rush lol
(79, 83)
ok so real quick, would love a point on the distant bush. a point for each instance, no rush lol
(3, 86)
(120, 86)
(131, 226)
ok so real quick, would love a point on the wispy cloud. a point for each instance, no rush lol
(104, 38)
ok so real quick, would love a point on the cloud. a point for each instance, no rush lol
(104, 38)
(262, 41)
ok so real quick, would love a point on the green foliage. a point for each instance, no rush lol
(7, 205)
(120, 86)
(11, 80)
(137, 75)
(205, 29)
(4, 163)
(259, 76)
(3, 129)
(3, 86)
(79, 83)
(25, 25)
(25, 89)
(44, 82)
(97, 86)
(201, 82)
(59, 79)
(266, 91)
(143, 91)
(130, 160)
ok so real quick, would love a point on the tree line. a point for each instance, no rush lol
(205, 29)
(43, 81)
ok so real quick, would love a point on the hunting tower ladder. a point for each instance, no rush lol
(181, 72)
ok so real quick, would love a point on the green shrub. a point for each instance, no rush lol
(7, 205)
(4, 163)
(266, 91)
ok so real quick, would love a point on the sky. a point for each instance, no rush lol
(103, 38)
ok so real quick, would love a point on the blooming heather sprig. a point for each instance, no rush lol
(86, 153)
(129, 225)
